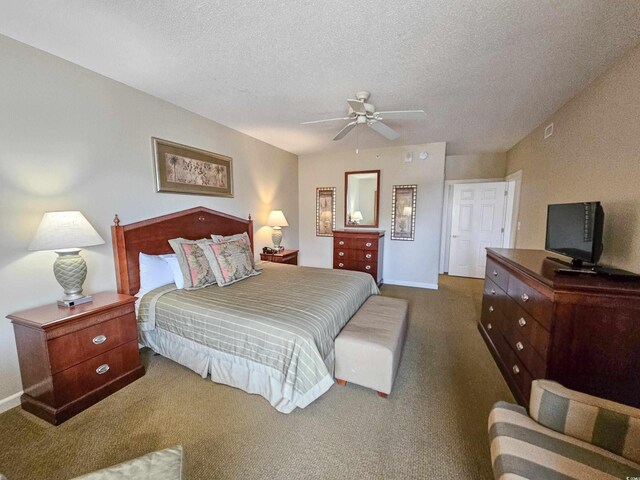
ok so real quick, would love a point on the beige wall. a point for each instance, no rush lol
(594, 154)
(405, 263)
(475, 166)
(72, 139)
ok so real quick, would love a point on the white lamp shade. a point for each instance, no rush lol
(357, 216)
(277, 219)
(60, 230)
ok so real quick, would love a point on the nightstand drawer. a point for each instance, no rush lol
(73, 348)
(94, 373)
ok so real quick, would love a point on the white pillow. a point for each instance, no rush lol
(154, 272)
(172, 261)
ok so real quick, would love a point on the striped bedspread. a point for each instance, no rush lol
(284, 320)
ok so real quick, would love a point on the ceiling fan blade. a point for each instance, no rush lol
(347, 128)
(384, 130)
(402, 115)
(357, 106)
(327, 120)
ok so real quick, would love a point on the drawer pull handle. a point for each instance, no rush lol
(489, 326)
(341, 254)
(515, 369)
(490, 308)
(495, 273)
(368, 244)
(99, 339)
(493, 291)
(341, 242)
(341, 265)
(524, 297)
(522, 322)
(519, 346)
(368, 267)
(368, 255)
(102, 369)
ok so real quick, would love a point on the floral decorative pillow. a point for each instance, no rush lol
(231, 261)
(193, 262)
(243, 237)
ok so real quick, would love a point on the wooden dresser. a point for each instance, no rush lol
(71, 358)
(580, 330)
(359, 250)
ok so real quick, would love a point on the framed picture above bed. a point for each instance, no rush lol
(403, 212)
(325, 211)
(183, 169)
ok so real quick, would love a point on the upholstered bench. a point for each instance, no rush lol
(567, 434)
(369, 347)
(162, 465)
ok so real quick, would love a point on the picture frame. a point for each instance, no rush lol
(325, 211)
(403, 212)
(183, 169)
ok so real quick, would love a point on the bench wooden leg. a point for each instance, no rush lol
(341, 382)
(382, 394)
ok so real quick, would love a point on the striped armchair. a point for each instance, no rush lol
(567, 435)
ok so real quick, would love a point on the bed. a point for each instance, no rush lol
(271, 334)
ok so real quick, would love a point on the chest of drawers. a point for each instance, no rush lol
(580, 330)
(360, 250)
(70, 358)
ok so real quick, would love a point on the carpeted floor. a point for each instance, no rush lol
(432, 426)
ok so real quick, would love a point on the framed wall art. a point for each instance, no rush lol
(183, 169)
(325, 211)
(403, 212)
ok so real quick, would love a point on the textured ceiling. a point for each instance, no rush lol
(485, 71)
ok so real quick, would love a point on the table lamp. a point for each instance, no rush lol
(276, 221)
(357, 217)
(66, 232)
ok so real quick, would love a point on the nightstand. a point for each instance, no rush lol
(285, 256)
(71, 358)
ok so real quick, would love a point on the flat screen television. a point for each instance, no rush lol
(575, 230)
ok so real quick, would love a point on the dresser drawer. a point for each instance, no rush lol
(85, 377)
(530, 358)
(517, 319)
(515, 368)
(369, 256)
(497, 274)
(533, 301)
(355, 243)
(494, 294)
(492, 320)
(368, 267)
(491, 308)
(76, 347)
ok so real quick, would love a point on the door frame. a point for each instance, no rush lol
(447, 214)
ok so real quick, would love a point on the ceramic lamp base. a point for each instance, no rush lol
(70, 271)
(276, 237)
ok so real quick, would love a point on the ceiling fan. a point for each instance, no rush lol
(361, 113)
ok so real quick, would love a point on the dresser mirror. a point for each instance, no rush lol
(361, 203)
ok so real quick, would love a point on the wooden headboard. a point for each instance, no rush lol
(152, 237)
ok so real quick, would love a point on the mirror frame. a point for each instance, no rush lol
(377, 205)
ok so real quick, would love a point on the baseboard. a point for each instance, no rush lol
(10, 402)
(401, 283)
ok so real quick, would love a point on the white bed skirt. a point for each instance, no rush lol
(235, 371)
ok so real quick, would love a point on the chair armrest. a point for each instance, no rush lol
(609, 425)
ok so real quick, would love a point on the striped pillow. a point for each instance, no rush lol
(609, 425)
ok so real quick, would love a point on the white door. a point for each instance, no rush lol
(477, 223)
